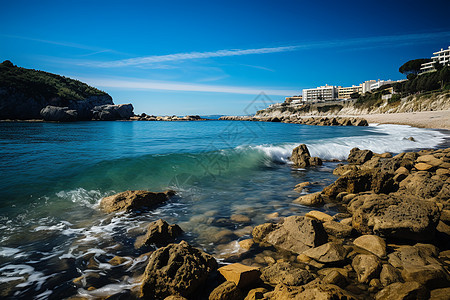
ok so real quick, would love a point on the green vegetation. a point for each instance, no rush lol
(433, 81)
(33, 83)
(413, 66)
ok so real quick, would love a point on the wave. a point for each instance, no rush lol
(384, 138)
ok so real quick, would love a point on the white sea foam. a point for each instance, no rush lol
(83, 197)
(6, 251)
(387, 138)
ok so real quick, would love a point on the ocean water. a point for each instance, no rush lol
(52, 177)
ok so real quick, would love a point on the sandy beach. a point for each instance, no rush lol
(425, 119)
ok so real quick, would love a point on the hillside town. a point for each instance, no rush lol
(327, 92)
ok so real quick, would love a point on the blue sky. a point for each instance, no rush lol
(215, 57)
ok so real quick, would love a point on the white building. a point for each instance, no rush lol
(379, 84)
(321, 93)
(366, 85)
(345, 92)
(442, 56)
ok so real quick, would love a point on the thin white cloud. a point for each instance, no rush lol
(188, 56)
(136, 84)
(369, 42)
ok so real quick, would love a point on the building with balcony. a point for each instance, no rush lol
(442, 56)
(321, 93)
(345, 92)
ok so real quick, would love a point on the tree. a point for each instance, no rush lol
(411, 76)
(413, 66)
(438, 66)
(354, 95)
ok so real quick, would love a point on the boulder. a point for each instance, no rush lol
(358, 157)
(158, 233)
(389, 275)
(439, 294)
(422, 185)
(226, 291)
(318, 215)
(366, 267)
(60, 114)
(302, 159)
(240, 274)
(295, 233)
(338, 229)
(355, 182)
(403, 291)
(112, 112)
(177, 269)
(336, 278)
(419, 263)
(394, 216)
(313, 199)
(285, 273)
(372, 243)
(255, 294)
(328, 253)
(310, 291)
(134, 200)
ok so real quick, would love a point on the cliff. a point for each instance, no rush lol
(30, 94)
(413, 103)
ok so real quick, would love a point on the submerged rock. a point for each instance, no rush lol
(134, 200)
(177, 269)
(158, 233)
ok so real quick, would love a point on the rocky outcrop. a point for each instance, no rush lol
(134, 200)
(158, 233)
(61, 114)
(177, 269)
(302, 159)
(296, 234)
(112, 112)
(145, 117)
(320, 121)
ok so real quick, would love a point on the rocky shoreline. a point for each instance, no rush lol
(320, 121)
(390, 239)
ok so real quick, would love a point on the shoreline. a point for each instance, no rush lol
(424, 119)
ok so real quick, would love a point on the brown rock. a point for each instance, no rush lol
(117, 260)
(158, 233)
(337, 229)
(366, 267)
(420, 184)
(175, 297)
(310, 291)
(296, 234)
(310, 199)
(422, 166)
(345, 169)
(389, 275)
(246, 244)
(285, 273)
(328, 253)
(318, 215)
(134, 200)
(394, 216)
(240, 219)
(256, 294)
(302, 159)
(359, 157)
(334, 277)
(440, 294)
(240, 274)
(403, 291)
(226, 291)
(176, 269)
(372, 243)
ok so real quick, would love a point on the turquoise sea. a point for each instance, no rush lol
(52, 177)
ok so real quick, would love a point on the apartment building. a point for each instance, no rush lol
(442, 56)
(321, 93)
(345, 92)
